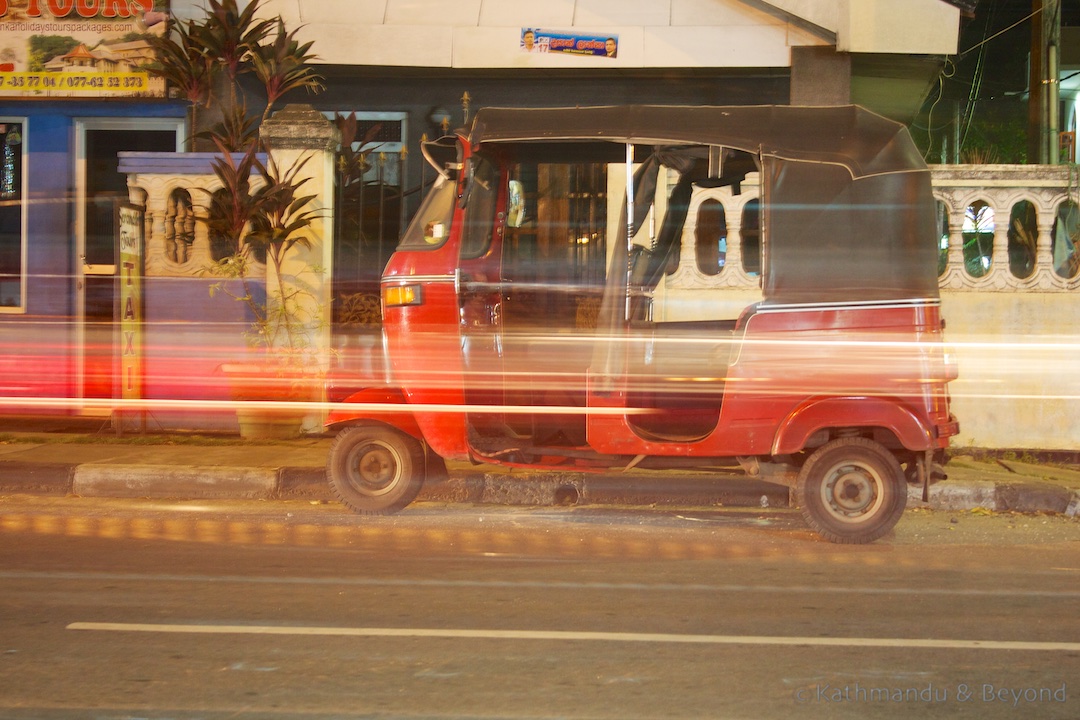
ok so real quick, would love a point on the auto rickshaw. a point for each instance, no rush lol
(531, 315)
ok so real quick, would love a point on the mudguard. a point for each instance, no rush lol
(376, 404)
(833, 412)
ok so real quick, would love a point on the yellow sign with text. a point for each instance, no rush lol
(130, 307)
(81, 48)
(66, 83)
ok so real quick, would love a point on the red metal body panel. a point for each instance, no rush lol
(794, 369)
(363, 407)
(891, 414)
(424, 346)
(815, 367)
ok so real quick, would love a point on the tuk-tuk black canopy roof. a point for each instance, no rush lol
(863, 142)
(847, 209)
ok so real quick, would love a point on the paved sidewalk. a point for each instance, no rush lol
(99, 464)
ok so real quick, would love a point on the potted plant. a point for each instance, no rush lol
(261, 213)
(268, 218)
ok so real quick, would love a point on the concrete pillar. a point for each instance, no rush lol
(299, 134)
(820, 76)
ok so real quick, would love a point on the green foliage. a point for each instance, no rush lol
(280, 219)
(232, 208)
(203, 58)
(267, 220)
(997, 134)
(44, 48)
(236, 131)
(281, 66)
(229, 35)
(183, 63)
(259, 214)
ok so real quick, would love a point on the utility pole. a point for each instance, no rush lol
(1043, 97)
(1035, 85)
(1052, 17)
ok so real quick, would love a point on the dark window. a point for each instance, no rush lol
(710, 237)
(751, 237)
(11, 214)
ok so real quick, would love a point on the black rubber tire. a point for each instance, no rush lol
(375, 469)
(852, 490)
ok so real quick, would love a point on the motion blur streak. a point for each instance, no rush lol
(161, 404)
(526, 543)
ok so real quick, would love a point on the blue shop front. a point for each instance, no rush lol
(74, 92)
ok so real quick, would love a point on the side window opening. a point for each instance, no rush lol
(555, 254)
(942, 216)
(710, 237)
(751, 237)
(1066, 240)
(978, 237)
(1022, 235)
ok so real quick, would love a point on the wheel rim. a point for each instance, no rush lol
(374, 468)
(852, 492)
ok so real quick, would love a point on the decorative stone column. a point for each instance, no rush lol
(300, 135)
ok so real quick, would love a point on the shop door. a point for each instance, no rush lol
(101, 189)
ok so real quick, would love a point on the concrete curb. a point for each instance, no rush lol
(36, 477)
(1029, 497)
(495, 488)
(162, 481)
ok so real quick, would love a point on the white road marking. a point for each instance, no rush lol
(569, 636)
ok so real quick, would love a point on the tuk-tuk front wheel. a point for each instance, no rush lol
(852, 490)
(375, 470)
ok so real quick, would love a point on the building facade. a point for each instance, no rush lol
(412, 69)
(72, 95)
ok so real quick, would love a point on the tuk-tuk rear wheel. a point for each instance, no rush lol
(852, 490)
(374, 469)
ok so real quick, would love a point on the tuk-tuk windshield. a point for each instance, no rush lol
(430, 227)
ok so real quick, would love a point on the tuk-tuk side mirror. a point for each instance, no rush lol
(515, 205)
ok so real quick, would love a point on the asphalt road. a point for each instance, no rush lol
(139, 609)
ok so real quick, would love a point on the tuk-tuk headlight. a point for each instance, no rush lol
(398, 295)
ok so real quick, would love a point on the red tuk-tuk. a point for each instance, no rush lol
(533, 317)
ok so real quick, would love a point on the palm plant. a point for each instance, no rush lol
(281, 66)
(203, 60)
(182, 63)
(233, 33)
(260, 214)
(270, 218)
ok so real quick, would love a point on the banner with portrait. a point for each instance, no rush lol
(569, 43)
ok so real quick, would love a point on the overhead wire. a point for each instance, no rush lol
(950, 69)
(976, 81)
(1000, 32)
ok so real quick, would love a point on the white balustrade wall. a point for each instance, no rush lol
(1014, 325)
(1013, 320)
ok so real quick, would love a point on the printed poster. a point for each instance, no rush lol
(569, 43)
(79, 48)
